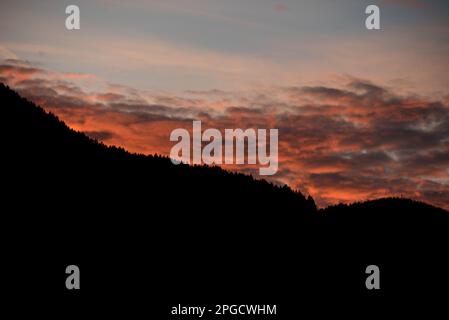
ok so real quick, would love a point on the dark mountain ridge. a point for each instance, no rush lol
(71, 199)
(33, 135)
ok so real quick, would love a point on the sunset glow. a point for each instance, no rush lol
(361, 115)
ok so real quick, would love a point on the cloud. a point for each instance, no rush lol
(5, 53)
(357, 140)
(100, 135)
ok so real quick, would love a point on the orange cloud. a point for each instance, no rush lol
(357, 141)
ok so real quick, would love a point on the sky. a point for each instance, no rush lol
(361, 114)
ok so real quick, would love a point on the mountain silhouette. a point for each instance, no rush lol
(72, 198)
(39, 140)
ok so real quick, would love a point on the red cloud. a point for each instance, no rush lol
(356, 142)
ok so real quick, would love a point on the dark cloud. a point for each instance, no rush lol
(322, 92)
(100, 135)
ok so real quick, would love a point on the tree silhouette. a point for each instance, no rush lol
(70, 197)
